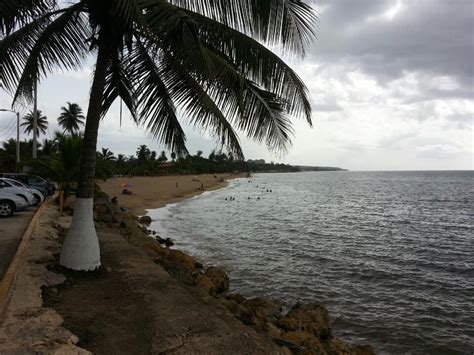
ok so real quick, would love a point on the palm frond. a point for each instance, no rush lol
(119, 84)
(15, 13)
(157, 111)
(286, 22)
(60, 44)
(258, 63)
(261, 114)
(202, 111)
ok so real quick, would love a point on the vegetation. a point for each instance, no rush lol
(71, 118)
(41, 123)
(204, 57)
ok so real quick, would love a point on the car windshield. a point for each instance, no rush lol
(16, 183)
(6, 183)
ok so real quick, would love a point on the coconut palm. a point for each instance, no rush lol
(206, 58)
(106, 154)
(71, 118)
(41, 123)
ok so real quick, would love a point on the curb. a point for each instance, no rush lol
(18, 258)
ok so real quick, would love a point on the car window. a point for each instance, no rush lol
(5, 184)
(16, 183)
(35, 180)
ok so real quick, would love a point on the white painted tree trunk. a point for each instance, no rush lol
(81, 249)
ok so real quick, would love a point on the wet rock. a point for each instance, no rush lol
(145, 219)
(311, 318)
(219, 277)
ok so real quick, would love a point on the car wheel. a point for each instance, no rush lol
(6, 208)
(37, 200)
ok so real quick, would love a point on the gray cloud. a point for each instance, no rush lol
(430, 36)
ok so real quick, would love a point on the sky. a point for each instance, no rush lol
(391, 84)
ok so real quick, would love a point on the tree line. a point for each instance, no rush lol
(59, 157)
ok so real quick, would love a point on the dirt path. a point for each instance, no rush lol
(132, 305)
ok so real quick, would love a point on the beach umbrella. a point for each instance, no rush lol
(127, 184)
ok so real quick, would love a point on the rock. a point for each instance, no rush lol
(270, 310)
(219, 277)
(363, 350)
(272, 330)
(235, 297)
(145, 219)
(310, 343)
(232, 306)
(100, 195)
(106, 218)
(205, 282)
(152, 248)
(312, 318)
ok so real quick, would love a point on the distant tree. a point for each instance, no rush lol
(199, 153)
(48, 146)
(106, 154)
(153, 156)
(173, 156)
(71, 118)
(28, 124)
(63, 166)
(162, 157)
(212, 156)
(143, 153)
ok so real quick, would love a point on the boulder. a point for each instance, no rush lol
(258, 312)
(145, 220)
(205, 283)
(312, 318)
(219, 277)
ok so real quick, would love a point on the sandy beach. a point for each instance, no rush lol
(158, 191)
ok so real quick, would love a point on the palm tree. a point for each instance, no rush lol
(41, 123)
(205, 57)
(173, 156)
(106, 154)
(71, 118)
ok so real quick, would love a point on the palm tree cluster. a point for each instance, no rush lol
(206, 58)
(70, 120)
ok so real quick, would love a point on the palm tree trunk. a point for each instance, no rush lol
(81, 249)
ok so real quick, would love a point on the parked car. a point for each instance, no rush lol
(10, 203)
(37, 182)
(39, 197)
(8, 187)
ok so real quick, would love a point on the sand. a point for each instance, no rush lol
(158, 191)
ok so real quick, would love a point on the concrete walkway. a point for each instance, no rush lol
(11, 231)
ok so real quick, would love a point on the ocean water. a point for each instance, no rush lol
(391, 254)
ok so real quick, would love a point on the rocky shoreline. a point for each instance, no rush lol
(304, 329)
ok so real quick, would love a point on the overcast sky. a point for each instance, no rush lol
(391, 83)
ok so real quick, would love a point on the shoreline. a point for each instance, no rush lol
(158, 191)
(150, 298)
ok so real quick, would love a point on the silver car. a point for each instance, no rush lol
(9, 188)
(10, 203)
(39, 197)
